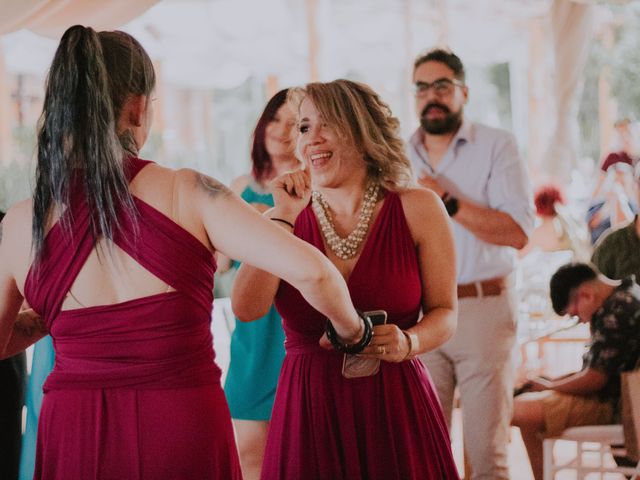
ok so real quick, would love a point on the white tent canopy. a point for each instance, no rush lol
(203, 44)
(52, 17)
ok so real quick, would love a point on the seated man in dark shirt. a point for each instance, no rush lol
(590, 396)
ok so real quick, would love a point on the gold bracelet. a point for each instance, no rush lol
(410, 342)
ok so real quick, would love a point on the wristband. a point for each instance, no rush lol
(451, 203)
(282, 220)
(351, 348)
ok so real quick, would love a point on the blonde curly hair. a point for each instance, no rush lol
(359, 116)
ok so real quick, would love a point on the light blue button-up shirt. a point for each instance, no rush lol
(482, 165)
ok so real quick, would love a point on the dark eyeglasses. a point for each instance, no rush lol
(441, 87)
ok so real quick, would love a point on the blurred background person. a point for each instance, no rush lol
(557, 227)
(257, 349)
(42, 363)
(617, 253)
(478, 173)
(625, 148)
(613, 202)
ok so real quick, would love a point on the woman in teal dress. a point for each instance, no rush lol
(41, 365)
(257, 348)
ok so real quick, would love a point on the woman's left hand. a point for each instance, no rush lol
(388, 344)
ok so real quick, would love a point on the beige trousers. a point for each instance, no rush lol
(478, 360)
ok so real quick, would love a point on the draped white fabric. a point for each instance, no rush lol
(52, 17)
(571, 25)
(5, 120)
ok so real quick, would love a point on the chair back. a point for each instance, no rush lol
(630, 397)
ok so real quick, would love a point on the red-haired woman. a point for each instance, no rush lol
(257, 349)
(557, 228)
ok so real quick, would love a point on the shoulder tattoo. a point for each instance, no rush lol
(212, 186)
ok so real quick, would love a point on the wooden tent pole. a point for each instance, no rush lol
(312, 11)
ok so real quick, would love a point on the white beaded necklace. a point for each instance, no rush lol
(346, 248)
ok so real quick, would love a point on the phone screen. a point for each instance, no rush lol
(378, 317)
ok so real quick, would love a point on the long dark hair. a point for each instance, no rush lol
(90, 78)
(259, 156)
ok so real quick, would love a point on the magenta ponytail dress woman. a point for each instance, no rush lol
(116, 257)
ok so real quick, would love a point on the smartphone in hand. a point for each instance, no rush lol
(354, 366)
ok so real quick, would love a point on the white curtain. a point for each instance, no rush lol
(571, 26)
(5, 115)
(52, 17)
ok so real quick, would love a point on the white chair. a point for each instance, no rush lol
(222, 325)
(594, 452)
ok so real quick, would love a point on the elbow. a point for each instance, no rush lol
(247, 305)
(450, 327)
(246, 312)
(240, 314)
(519, 244)
(447, 325)
(520, 240)
(317, 276)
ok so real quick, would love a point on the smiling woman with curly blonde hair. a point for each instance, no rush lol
(368, 123)
(374, 416)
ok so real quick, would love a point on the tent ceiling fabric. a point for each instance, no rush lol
(215, 43)
(222, 43)
(52, 17)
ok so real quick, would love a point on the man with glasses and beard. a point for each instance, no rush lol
(479, 175)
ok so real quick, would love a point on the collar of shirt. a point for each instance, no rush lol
(465, 134)
(626, 285)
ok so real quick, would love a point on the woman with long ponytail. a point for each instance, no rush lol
(119, 271)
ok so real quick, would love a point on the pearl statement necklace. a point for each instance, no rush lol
(346, 248)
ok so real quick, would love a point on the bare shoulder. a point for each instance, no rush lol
(15, 239)
(17, 220)
(154, 171)
(425, 213)
(419, 202)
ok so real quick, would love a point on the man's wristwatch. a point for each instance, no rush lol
(450, 203)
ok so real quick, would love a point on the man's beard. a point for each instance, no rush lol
(439, 126)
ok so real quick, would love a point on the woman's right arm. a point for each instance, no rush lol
(240, 232)
(254, 290)
(237, 186)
